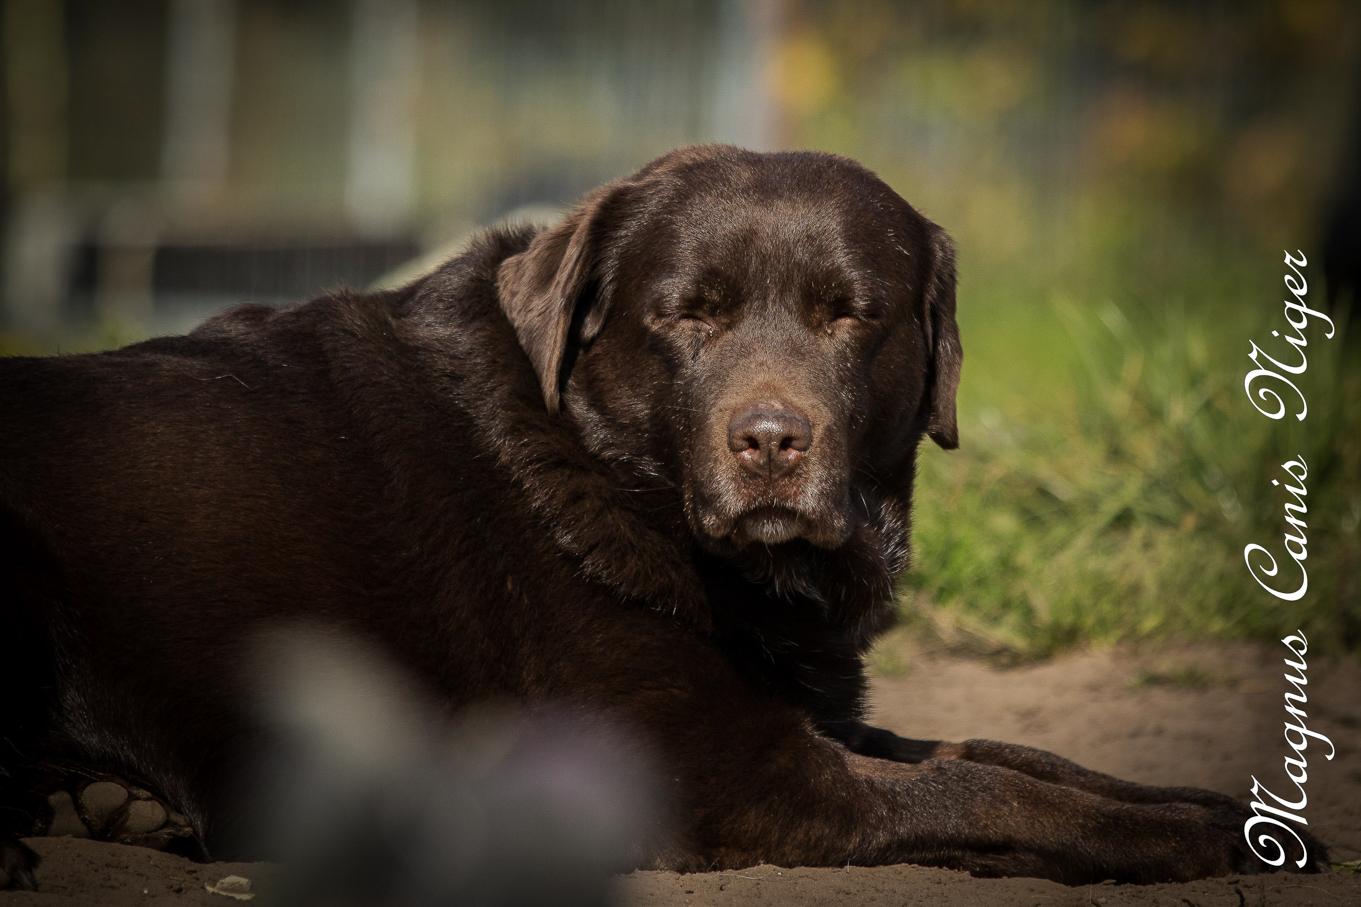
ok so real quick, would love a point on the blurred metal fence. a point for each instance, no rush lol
(274, 148)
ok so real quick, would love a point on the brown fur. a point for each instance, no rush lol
(515, 475)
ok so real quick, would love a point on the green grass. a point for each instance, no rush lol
(1112, 469)
(97, 337)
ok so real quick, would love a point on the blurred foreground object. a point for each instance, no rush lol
(371, 799)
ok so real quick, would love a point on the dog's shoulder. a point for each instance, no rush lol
(342, 334)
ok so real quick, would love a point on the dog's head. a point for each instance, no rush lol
(772, 333)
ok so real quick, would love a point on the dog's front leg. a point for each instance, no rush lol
(866, 740)
(995, 821)
(876, 743)
(797, 798)
(1057, 770)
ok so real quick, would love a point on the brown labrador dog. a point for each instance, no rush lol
(656, 460)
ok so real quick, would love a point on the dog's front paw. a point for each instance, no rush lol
(17, 863)
(1182, 842)
(113, 810)
(1270, 843)
(1227, 839)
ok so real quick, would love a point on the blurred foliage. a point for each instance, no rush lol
(1005, 121)
(1111, 497)
(102, 334)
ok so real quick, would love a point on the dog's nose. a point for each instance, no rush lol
(769, 439)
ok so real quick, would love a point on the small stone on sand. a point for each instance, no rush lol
(233, 887)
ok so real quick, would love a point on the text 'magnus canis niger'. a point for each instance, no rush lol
(655, 461)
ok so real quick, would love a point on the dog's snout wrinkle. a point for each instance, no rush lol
(769, 439)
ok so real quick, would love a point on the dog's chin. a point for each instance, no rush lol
(768, 526)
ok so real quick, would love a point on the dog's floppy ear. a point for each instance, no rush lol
(541, 287)
(943, 340)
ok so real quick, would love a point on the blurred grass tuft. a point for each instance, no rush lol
(1109, 492)
(1183, 677)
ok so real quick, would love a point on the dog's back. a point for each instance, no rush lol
(162, 504)
(154, 502)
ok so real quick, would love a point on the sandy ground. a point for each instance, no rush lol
(1209, 716)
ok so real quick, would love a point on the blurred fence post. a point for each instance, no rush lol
(201, 65)
(380, 181)
(744, 109)
(36, 228)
